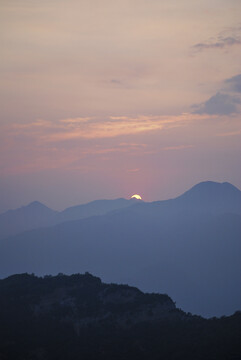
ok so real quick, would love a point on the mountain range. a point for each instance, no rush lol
(36, 215)
(188, 247)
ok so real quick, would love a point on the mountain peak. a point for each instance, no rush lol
(212, 186)
(36, 204)
(37, 208)
(212, 196)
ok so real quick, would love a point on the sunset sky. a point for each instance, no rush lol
(106, 99)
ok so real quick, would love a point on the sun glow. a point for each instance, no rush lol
(136, 196)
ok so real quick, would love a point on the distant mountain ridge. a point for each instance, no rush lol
(175, 246)
(93, 208)
(36, 215)
(209, 196)
(206, 196)
(217, 197)
(31, 216)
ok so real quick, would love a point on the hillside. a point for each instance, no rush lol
(78, 316)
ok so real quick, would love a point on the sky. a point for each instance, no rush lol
(105, 99)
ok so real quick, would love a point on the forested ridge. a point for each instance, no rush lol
(79, 317)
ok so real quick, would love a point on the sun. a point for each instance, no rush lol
(136, 196)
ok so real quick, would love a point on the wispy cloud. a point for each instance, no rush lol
(225, 39)
(83, 143)
(32, 125)
(94, 128)
(230, 133)
(79, 120)
(133, 170)
(219, 44)
(178, 147)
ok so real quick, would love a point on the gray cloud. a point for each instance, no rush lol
(234, 83)
(227, 38)
(219, 44)
(218, 104)
(115, 81)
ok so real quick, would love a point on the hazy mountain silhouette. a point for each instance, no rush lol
(213, 197)
(204, 198)
(36, 215)
(188, 247)
(97, 207)
(28, 217)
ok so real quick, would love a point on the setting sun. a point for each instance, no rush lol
(136, 196)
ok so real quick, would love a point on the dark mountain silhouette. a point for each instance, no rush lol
(80, 317)
(189, 251)
(36, 215)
